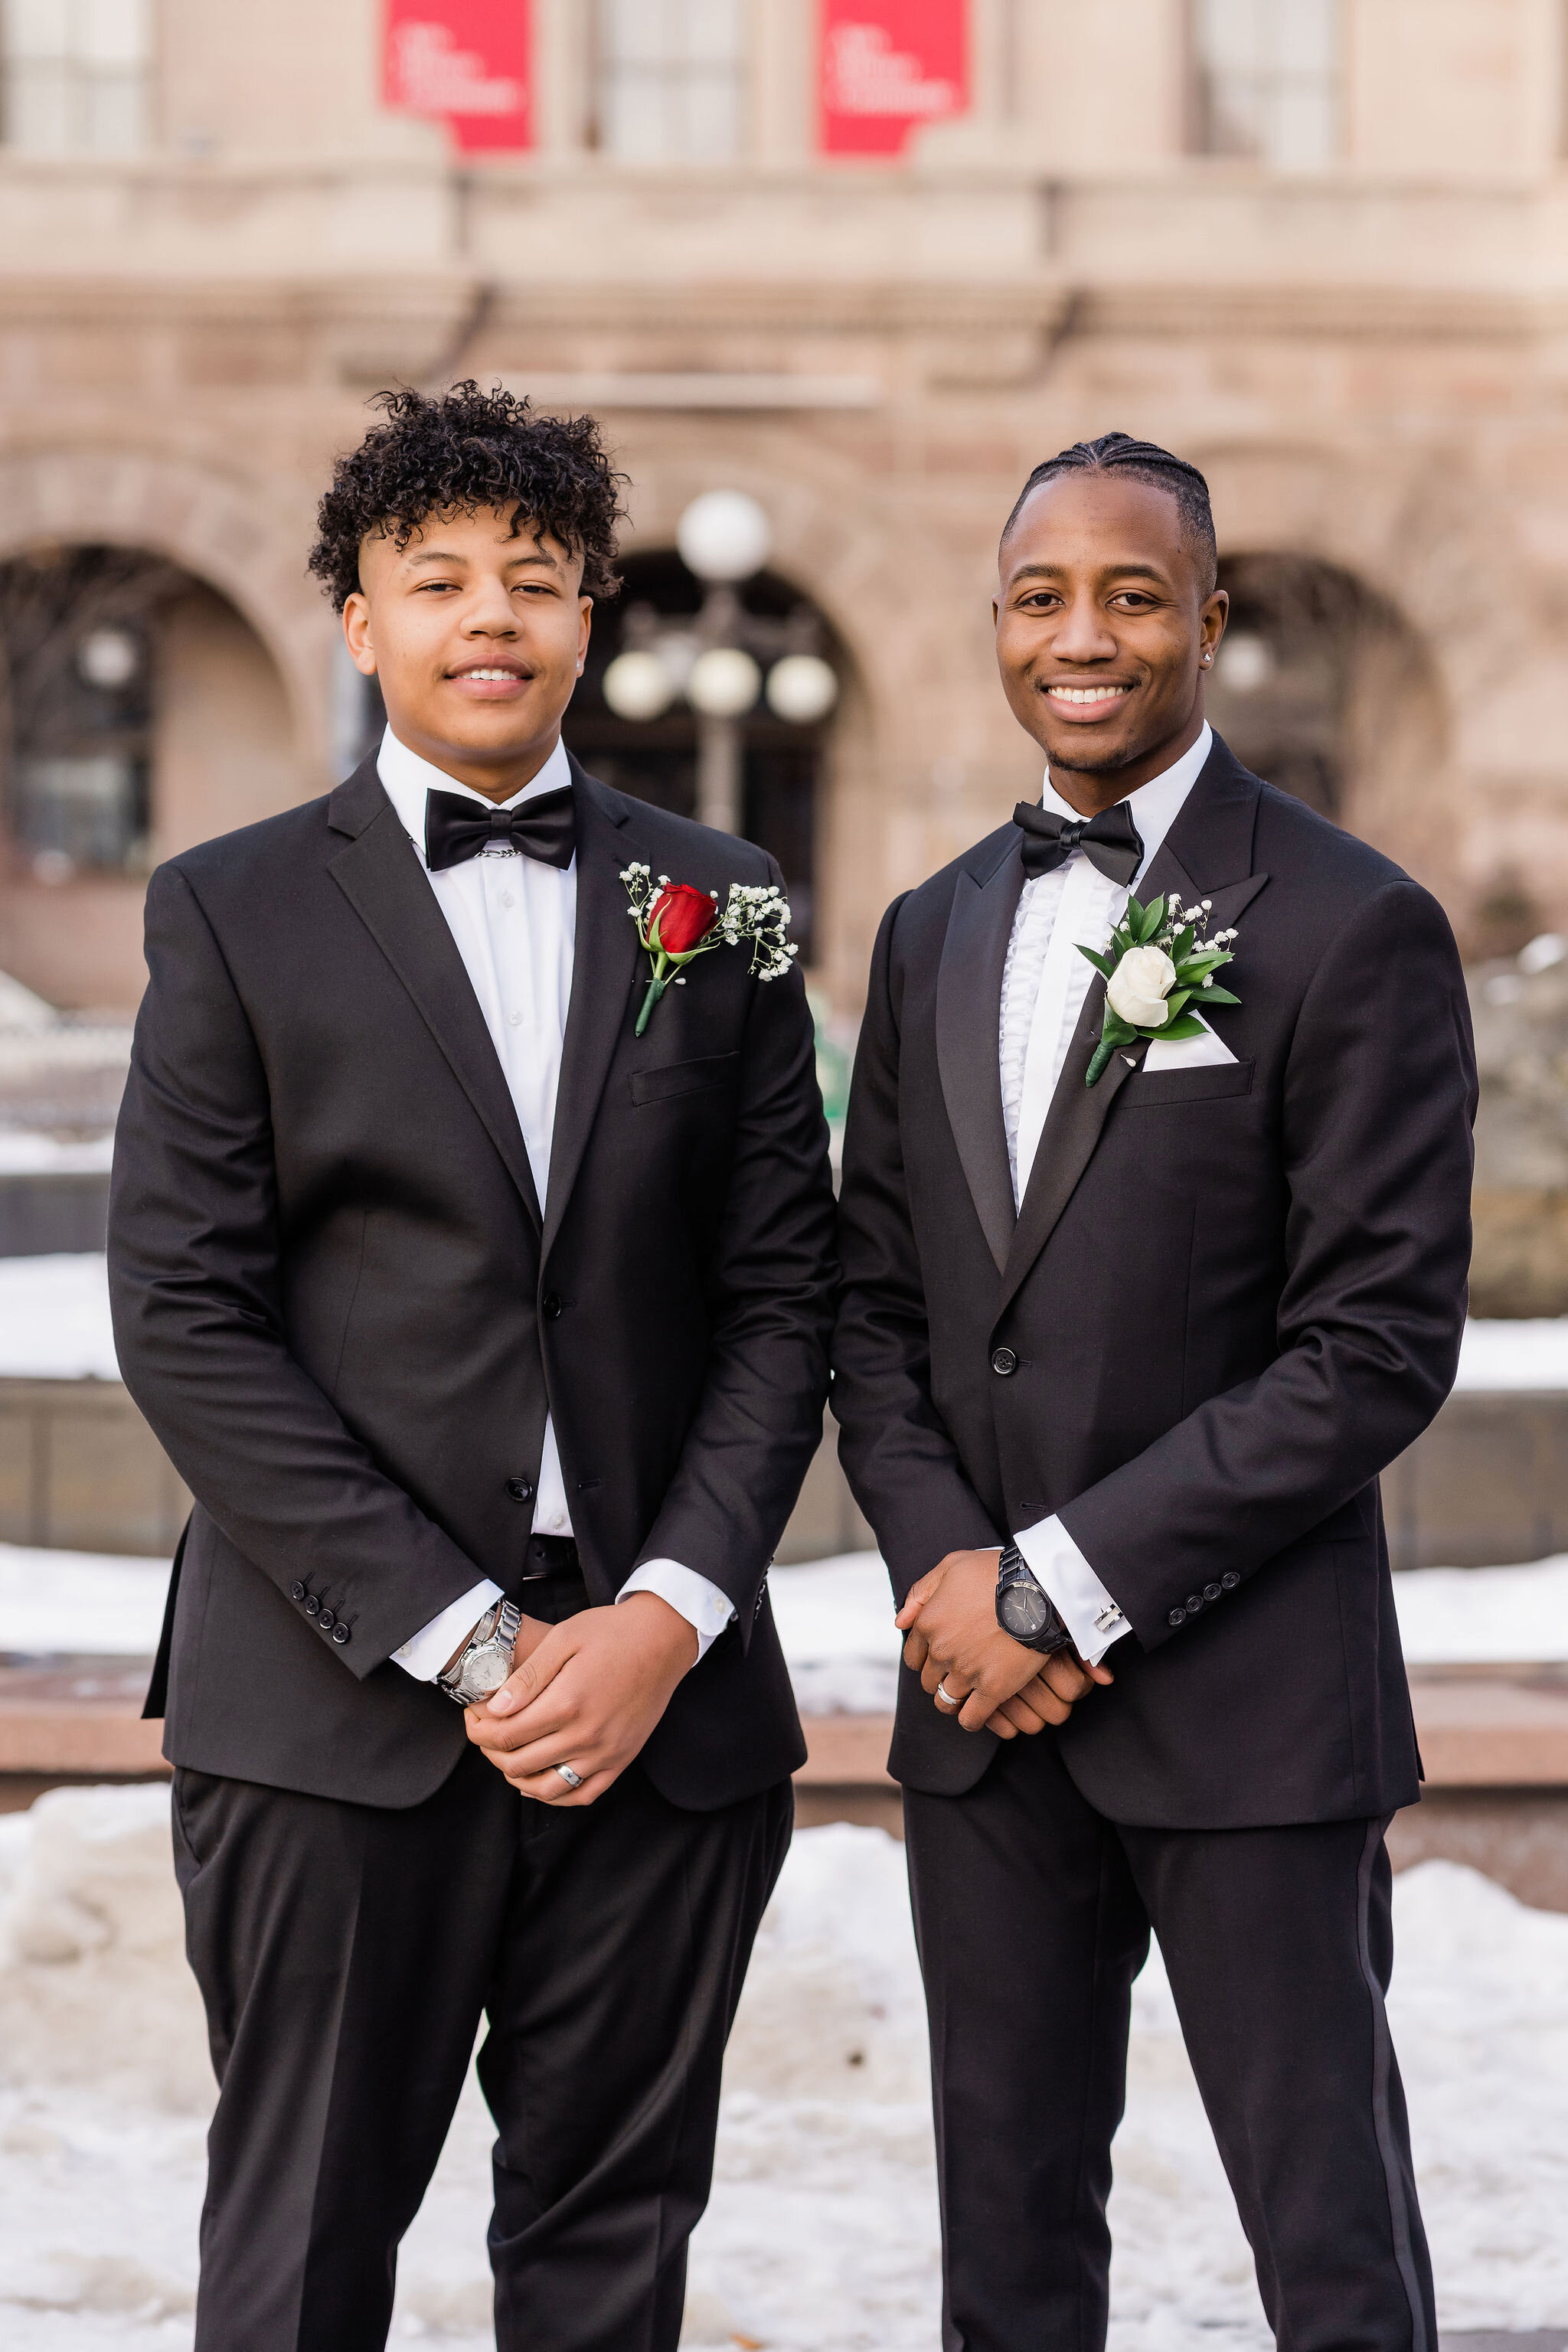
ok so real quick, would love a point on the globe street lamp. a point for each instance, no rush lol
(715, 661)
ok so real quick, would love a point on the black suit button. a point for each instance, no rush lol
(296, 1592)
(312, 1606)
(1211, 1593)
(520, 1490)
(552, 1304)
(340, 1631)
(1177, 1617)
(1195, 1603)
(1003, 1361)
(327, 1621)
(1229, 1580)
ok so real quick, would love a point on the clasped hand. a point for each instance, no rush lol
(953, 1639)
(587, 1693)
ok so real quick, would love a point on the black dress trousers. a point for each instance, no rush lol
(346, 1955)
(1033, 1913)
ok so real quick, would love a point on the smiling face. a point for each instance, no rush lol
(478, 638)
(1105, 631)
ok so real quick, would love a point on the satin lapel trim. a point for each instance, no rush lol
(1072, 1129)
(968, 1009)
(1216, 827)
(605, 975)
(379, 875)
(1167, 874)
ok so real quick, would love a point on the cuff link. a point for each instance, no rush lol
(1109, 1617)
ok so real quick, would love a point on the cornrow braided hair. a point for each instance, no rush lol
(456, 452)
(1146, 462)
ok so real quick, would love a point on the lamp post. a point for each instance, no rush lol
(715, 661)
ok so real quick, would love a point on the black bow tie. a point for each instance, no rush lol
(1110, 840)
(456, 828)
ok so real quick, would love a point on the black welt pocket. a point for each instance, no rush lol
(684, 1077)
(1149, 1088)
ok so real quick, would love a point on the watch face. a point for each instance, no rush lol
(486, 1673)
(1023, 1611)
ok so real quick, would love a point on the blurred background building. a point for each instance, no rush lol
(862, 261)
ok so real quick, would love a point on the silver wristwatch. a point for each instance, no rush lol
(486, 1662)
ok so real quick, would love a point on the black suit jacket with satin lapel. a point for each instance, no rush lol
(341, 1308)
(1234, 1294)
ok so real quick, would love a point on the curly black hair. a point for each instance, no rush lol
(456, 452)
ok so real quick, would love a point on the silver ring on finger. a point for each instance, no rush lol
(946, 1697)
(573, 1780)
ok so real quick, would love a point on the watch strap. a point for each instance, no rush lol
(1012, 1569)
(496, 1628)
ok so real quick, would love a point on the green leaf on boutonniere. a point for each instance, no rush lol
(1186, 957)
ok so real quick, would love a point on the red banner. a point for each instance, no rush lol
(466, 63)
(887, 67)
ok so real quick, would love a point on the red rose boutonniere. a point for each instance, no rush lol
(676, 922)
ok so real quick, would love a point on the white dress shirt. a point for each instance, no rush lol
(1044, 984)
(514, 920)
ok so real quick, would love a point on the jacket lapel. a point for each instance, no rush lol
(968, 996)
(1208, 853)
(604, 974)
(379, 873)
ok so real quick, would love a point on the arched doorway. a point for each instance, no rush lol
(1323, 688)
(140, 712)
(781, 761)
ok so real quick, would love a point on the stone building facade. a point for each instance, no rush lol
(1319, 246)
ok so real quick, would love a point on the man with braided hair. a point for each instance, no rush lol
(1144, 1284)
(491, 1338)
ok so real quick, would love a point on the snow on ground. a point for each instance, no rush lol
(54, 1318)
(25, 1152)
(54, 1311)
(822, 2233)
(1532, 1353)
(55, 1604)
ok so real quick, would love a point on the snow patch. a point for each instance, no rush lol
(822, 2233)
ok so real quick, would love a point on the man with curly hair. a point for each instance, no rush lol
(489, 1336)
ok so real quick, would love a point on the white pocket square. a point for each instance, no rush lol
(1186, 1053)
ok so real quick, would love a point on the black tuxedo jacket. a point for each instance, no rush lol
(1233, 1295)
(341, 1306)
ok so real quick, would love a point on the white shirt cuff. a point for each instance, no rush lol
(424, 1655)
(1082, 1602)
(705, 1608)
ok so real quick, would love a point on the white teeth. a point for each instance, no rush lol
(1087, 693)
(487, 673)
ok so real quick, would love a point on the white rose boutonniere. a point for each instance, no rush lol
(1157, 961)
(1140, 987)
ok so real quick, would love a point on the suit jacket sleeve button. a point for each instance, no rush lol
(312, 1606)
(340, 1631)
(1177, 1617)
(1195, 1603)
(1003, 1361)
(296, 1592)
(1211, 1593)
(1229, 1580)
(520, 1490)
(327, 1621)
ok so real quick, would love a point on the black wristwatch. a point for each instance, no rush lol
(1025, 1609)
